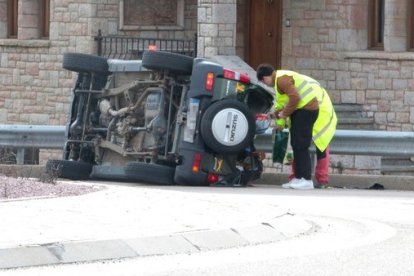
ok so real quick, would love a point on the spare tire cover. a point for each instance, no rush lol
(228, 126)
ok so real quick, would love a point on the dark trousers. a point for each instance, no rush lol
(302, 121)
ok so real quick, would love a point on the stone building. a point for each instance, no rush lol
(362, 51)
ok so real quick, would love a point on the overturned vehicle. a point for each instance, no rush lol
(166, 119)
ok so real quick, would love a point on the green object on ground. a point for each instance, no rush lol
(280, 144)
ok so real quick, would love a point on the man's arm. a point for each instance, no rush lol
(286, 85)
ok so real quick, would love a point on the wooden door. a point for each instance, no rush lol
(264, 32)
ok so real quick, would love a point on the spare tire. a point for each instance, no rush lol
(77, 62)
(156, 60)
(228, 127)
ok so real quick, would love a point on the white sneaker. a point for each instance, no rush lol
(302, 184)
(287, 185)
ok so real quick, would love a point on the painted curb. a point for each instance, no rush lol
(280, 228)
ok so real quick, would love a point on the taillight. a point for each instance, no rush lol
(232, 75)
(244, 78)
(212, 178)
(228, 74)
(196, 163)
(152, 47)
(209, 81)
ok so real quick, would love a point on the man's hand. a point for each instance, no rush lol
(271, 115)
(281, 115)
(274, 114)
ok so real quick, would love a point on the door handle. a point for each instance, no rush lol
(270, 1)
(269, 34)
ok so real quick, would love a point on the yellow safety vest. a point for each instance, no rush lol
(325, 125)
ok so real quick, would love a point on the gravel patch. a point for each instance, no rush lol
(14, 188)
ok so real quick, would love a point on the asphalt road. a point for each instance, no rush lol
(355, 232)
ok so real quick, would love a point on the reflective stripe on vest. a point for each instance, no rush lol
(325, 126)
(306, 87)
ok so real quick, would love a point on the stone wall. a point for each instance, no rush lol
(34, 89)
(216, 27)
(339, 164)
(328, 41)
(107, 19)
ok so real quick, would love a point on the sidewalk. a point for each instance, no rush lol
(124, 221)
(347, 181)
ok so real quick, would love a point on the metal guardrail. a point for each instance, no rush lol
(29, 137)
(32, 136)
(347, 142)
(359, 142)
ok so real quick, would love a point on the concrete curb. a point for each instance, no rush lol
(389, 182)
(280, 228)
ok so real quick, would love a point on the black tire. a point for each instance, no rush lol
(77, 62)
(109, 172)
(155, 60)
(242, 136)
(151, 173)
(68, 169)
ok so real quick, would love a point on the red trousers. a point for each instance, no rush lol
(321, 169)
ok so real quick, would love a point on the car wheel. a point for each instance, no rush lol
(151, 173)
(77, 62)
(74, 170)
(228, 127)
(155, 60)
(109, 172)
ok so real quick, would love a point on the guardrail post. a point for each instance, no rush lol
(20, 156)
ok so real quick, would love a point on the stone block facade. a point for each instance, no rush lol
(34, 89)
(326, 39)
(217, 21)
(329, 41)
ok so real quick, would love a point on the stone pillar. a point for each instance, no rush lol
(395, 26)
(216, 27)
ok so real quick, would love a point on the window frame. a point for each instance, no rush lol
(410, 27)
(44, 18)
(376, 18)
(180, 20)
(12, 18)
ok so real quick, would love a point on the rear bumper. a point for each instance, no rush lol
(183, 172)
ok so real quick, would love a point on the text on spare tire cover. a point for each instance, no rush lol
(233, 127)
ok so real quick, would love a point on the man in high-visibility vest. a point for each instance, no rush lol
(311, 115)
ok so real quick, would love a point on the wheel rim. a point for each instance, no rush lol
(230, 127)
